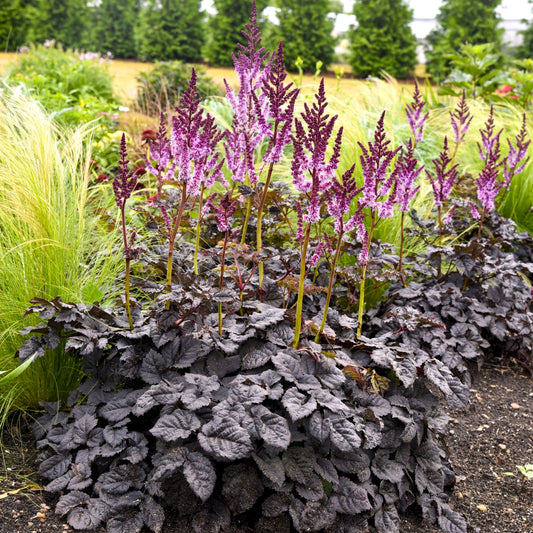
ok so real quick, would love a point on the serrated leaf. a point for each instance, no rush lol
(55, 466)
(266, 316)
(177, 425)
(224, 439)
(405, 371)
(289, 366)
(167, 464)
(115, 410)
(431, 481)
(69, 501)
(319, 427)
(257, 357)
(387, 519)
(191, 350)
(271, 467)
(200, 474)
(152, 514)
(451, 521)
(299, 464)
(349, 498)
(455, 392)
(344, 436)
(298, 404)
(115, 436)
(385, 468)
(82, 518)
(281, 334)
(60, 483)
(329, 400)
(125, 524)
(272, 428)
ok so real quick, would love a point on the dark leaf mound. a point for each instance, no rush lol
(243, 428)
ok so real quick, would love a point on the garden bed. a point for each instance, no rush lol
(492, 436)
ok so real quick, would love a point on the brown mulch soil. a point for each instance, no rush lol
(490, 438)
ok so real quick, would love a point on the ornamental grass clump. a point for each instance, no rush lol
(262, 399)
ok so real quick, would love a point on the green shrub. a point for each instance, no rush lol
(62, 77)
(383, 39)
(460, 22)
(162, 87)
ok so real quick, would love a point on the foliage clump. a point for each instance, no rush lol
(162, 87)
(459, 22)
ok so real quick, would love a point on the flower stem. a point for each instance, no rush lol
(363, 277)
(221, 281)
(400, 264)
(332, 278)
(299, 304)
(197, 246)
(172, 236)
(128, 259)
(259, 237)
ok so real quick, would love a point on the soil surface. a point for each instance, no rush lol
(489, 439)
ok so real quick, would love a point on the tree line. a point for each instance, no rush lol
(151, 30)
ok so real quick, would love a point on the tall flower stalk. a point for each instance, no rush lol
(339, 199)
(406, 175)
(224, 212)
(123, 185)
(312, 176)
(377, 201)
(442, 183)
(281, 100)
(249, 127)
(488, 183)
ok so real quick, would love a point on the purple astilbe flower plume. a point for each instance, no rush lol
(515, 162)
(250, 107)
(444, 180)
(125, 183)
(406, 175)
(339, 199)
(445, 177)
(160, 155)
(414, 115)
(379, 188)
(487, 182)
(281, 100)
(193, 141)
(311, 171)
(224, 211)
(460, 119)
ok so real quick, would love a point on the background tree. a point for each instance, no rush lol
(305, 28)
(11, 24)
(114, 27)
(382, 39)
(66, 21)
(525, 49)
(460, 22)
(169, 30)
(225, 29)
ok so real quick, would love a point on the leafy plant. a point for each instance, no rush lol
(474, 72)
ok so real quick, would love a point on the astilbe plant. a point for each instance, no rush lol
(230, 413)
(123, 186)
(312, 176)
